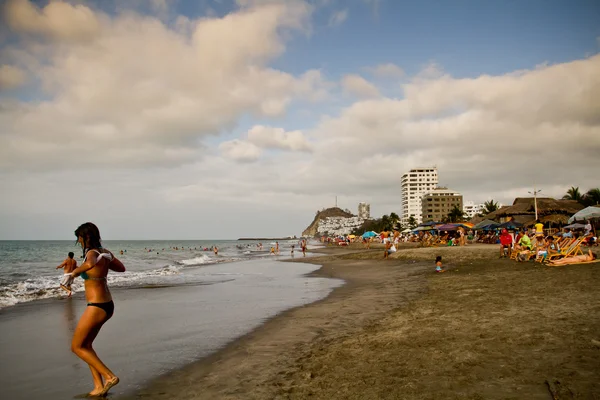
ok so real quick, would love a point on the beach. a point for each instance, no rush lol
(487, 328)
(157, 327)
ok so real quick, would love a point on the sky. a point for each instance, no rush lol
(219, 119)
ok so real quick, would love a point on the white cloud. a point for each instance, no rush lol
(239, 150)
(356, 85)
(11, 77)
(388, 70)
(277, 138)
(146, 103)
(57, 20)
(338, 18)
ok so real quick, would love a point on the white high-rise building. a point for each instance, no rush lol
(415, 183)
(364, 210)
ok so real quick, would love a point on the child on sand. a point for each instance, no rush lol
(69, 265)
(438, 264)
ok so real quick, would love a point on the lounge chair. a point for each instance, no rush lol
(572, 250)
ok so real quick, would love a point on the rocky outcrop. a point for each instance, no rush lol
(313, 228)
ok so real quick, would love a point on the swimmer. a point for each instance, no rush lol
(69, 265)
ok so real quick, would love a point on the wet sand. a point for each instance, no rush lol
(488, 328)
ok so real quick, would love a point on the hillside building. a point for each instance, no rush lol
(436, 204)
(415, 183)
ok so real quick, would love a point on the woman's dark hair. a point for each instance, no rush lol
(90, 234)
(438, 258)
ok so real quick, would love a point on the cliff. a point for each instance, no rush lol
(312, 229)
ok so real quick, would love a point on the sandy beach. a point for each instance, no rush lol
(488, 328)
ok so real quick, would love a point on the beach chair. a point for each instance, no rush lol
(572, 250)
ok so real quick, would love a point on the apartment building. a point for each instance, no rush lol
(364, 210)
(472, 209)
(415, 183)
(436, 204)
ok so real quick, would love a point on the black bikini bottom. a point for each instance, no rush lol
(108, 307)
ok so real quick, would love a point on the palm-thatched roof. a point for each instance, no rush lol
(549, 210)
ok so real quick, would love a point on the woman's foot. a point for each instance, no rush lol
(96, 392)
(109, 384)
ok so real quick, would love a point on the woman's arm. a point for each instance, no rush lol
(116, 265)
(90, 260)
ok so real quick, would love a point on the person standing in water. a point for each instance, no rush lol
(100, 307)
(69, 265)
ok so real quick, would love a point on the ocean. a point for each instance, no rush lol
(175, 305)
(28, 268)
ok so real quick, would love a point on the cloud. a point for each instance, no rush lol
(388, 70)
(11, 77)
(338, 18)
(488, 135)
(239, 150)
(356, 85)
(147, 104)
(57, 20)
(277, 138)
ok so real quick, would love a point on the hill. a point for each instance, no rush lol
(321, 215)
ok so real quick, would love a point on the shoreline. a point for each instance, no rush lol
(235, 370)
(395, 327)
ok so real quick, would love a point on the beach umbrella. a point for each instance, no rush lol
(575, 226)
(483, 223)
(430, 223)
(369, 234)
(447, 227)
(586, 213)
(422, 228)
(406, 230)
(510, 225)
(351, 236)
(489, 227)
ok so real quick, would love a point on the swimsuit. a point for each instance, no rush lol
(109, 306)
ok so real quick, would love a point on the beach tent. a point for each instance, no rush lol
(407, 230)
(369, 234)
(586, 213)
(483, 223)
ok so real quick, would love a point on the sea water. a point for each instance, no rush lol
(172, 307)
(28, 268)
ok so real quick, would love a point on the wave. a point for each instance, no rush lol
(202, 259)
(45, 287)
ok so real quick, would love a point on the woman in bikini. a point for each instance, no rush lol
(100, 306)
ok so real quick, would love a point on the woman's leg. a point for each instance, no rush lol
(88, 327)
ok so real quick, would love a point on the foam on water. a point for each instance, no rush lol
(45, 287)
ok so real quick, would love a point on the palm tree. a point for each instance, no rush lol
(489, 206)
(385, 222)
(456, 214)
(412, 222)
(394, 218)
(592, 197)
(574, 194)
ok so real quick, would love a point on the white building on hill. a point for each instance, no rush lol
(472, 209)
(415, 183)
